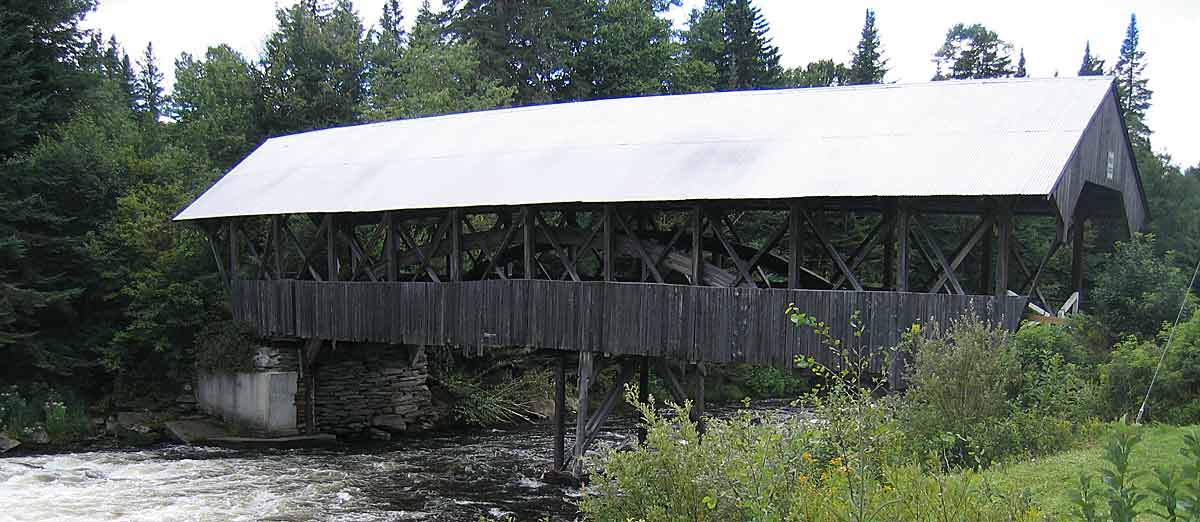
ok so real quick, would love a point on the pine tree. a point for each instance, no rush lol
(632, 51)
(821, 73)
(732, 36)
(147, 88)
(1020, 73)
(1132, 90)
(1091, 66)
(973, 51)
(867, 64)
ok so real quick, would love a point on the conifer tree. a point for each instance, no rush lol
(1092, 65)
(631, 52)
(973, 51)
(867, 64)
(732, 36)
(1020, 73)
(1132, 90)
(147, 88)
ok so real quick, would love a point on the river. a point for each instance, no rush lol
(451, 477)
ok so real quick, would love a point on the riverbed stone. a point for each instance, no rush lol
(7, 443)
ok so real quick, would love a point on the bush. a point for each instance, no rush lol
(1125, 378)
(745, 470)
(40, 408)
(1057, 376)
(226, 347)
(1135, 291)
(979, 395)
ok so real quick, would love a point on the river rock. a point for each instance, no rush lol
(7, 443)
(393, 423)
(39, 436)
(378, 434)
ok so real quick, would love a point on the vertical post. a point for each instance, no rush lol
(277, 245)
(1077, 255)
(697, 413)
(527, 238)
(560, 413)
(231, 231)
(697, 246)
(985, 262)
(607, 232)
(581, 419)
(901, 237)
(331, 259)
(643, 395)
(389, 246)
(795, 246)
(889, 247)
(455, 261)
(1003, 246)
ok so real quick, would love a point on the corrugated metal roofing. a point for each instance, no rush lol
(986, 137)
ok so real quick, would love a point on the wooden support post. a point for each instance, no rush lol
(232, 235)
(888, 276)
(901, 237)
(1003, 246)
(331, 260)
(697, 245)
(277, 245)
(795, 245)
(560, 410)
(581, 419)
(456, 254)
(389, 246)
(1077, 254)
(697, 413)
(985, 262)
(609, 245)
(643, 395)
(527, 240)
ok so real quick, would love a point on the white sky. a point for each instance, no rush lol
(1052, 32)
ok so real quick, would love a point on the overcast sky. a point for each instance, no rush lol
(1052, 32)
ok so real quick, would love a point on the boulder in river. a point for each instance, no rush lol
(392, 423)
(7, 443)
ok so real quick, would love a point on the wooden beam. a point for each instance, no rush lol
(936, 255)
(277, 246)
(986, 252)
(455, 261)
(900, 235)
(1024, 268)
(795, 245)
(982, 229)
(568, 261)
(772, 241)
(639, 248)
(863, 249)
(527, 241)
(1031, 282)
(581, 419)
(560, 410)
(1003, 246)
(389, 247)
(416, 249)
(1077, 254)
(211, 232)
(232, 235)
(837, 258)
(331, 260)
(697, 413)
(609, 245)
(697, 246)
(493, 255)
(306, 255)
(744, 271)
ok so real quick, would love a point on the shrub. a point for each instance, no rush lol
(1057, 379)
(1135, 290)
(477, 403)
(1125, 378)
(226, 347)
(39, 407)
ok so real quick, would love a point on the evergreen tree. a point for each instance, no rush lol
(867, 64)
(631, 52)
(732, 36)
(315, 66)
(534, 46)
(1020, 72)
(1091, 66)
(1132, 90)
(973, 51)
(40, 82)
(148, 89)
(218, 105)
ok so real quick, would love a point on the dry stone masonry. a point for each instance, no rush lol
(374, 390)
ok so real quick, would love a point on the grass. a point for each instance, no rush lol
(1050, 480)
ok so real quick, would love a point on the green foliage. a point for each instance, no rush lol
(821, 73)
(867, 64)
(973, 51)
(1136, 290)
(1092, 65)
(482, 404)
(1132, 91)
(1125, 377)
(731, 36)
(226, 347)
(25, 411)
(745, 470)
(218, 105)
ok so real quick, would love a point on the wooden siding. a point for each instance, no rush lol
(688, 323)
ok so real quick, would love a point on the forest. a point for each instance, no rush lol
(102, 298)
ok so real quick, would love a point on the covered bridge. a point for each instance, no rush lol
(672, 227)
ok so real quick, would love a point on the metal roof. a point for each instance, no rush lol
(971, 138)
